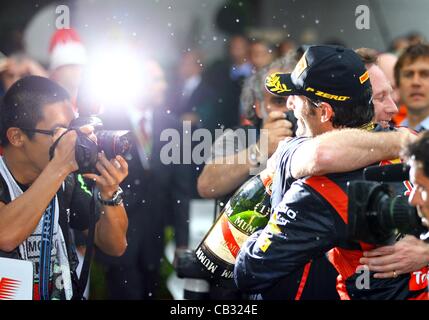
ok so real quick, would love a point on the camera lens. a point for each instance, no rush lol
(114, 143)
(399, 214)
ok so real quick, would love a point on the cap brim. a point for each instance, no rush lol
(281, 84)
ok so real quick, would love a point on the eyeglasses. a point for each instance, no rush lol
(47, 132)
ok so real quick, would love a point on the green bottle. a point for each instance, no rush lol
(247, 211)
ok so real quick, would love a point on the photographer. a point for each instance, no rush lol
(418, 153)
(151, 207)
(409, 254)
(266, 112)
(36, 112)
(311, 216)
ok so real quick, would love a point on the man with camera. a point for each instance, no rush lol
(266, 112)
(329, 89)
(42, 197)
(410, 254)
(418, 155)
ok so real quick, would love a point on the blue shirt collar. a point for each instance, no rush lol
(424, 125)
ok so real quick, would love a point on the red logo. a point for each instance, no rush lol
(419, 280)
(8, 288)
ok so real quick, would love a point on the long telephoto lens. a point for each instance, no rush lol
(396, 213)
(376, 216)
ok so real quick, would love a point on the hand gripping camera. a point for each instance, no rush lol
(112, 143)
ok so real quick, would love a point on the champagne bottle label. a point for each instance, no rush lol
(231, 239)
(248, 221)
(246, 212)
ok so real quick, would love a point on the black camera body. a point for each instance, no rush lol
(112, 143)
(375, 214)
(293, 120)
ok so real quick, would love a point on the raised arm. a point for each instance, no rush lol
(228, 170)
(347, 150)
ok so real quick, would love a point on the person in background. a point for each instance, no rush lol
(164, 201)
(264, 111)
(412, 79)
(67, 59)
(386, 61)
(418, 155)
(226, 77)
(18, 66)
(286, 46)
(192, 98)
(239, 57)
(401, 43)
(261, 54)
(385, 107)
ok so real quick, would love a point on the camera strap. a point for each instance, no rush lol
(46, 250)
(54, 145)
(83, 279)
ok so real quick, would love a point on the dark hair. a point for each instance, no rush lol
(22, 105)
(419, 151)
(367, 55)
(415, 37)
(410, 55)
(353, 114)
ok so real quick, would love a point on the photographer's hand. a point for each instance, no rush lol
(111, 228)
(112, 173)
(277, 129)
(407, 255)
(64, 154)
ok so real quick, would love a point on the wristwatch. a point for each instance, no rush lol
(115, 201)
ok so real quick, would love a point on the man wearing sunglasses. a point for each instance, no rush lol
(36, 207)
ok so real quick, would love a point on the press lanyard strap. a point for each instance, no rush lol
(84, 273)
(45, 250)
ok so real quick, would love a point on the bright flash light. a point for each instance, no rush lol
(117, 78)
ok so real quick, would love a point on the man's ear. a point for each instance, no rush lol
(327, 112)
(15, 136)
